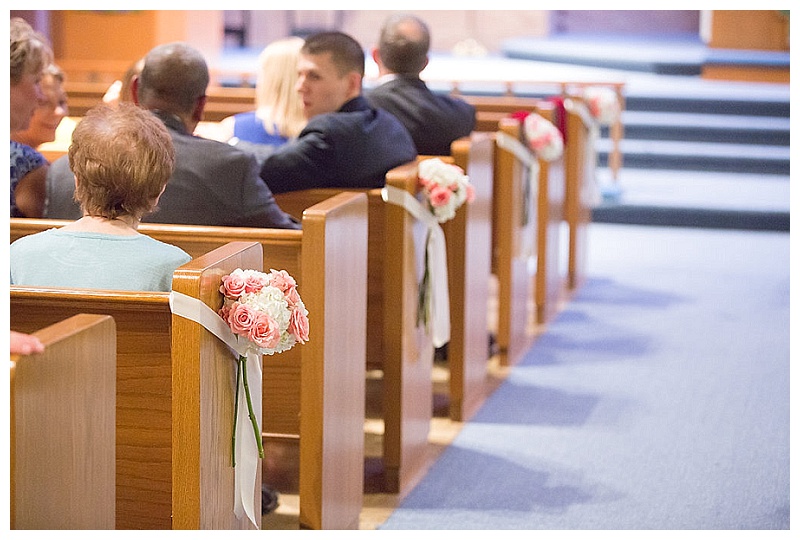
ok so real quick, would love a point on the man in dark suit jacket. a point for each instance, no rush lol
(213, 183)
(434, 120)
(346, 143)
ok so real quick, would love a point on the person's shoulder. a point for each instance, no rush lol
(33, 241)
(164, 249)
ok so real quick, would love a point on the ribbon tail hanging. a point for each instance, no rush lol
(247, 463)
(436, 250)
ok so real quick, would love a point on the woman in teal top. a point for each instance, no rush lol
(122, 159)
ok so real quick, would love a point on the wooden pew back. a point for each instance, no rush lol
(62, 427)
(148, 406)
(324, 378)
(395, 343)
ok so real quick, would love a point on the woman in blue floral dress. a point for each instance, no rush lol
(30, 55)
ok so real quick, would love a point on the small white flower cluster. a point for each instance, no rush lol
(603, 104)
(445, 186)
(543, 137)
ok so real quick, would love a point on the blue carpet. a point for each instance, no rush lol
(657, 400)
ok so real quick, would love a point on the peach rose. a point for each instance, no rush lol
(241, 318)
(280, 279)
(233, 285)
(298, 324)
(255, 281)
(264, 332)
(440, 196)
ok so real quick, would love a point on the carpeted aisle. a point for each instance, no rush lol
(659, 399)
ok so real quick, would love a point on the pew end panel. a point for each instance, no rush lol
(203, 391)
(143, 393)
(62, 427)
(334, 262)
(580, 190)
(551, 267)
(408, 350)
(395, 344)
(514, 231)
(469, 238)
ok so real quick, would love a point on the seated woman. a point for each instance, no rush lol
(50, 113)
(279, 111)
(122, 159)
(30, 54)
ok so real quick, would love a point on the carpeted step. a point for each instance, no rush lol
(664, 126)
(711, 218)
(742, 105)
(699, 156)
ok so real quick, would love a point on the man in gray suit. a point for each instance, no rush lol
(433, 120)
(213, 183)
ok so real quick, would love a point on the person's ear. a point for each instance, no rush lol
(354, 83)
(135, 89)
(376, 56)
(199, 107)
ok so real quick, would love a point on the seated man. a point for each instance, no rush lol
(213, 182)
(434, 120)
(346, 143)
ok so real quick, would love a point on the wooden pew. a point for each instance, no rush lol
(395, 343)
(469, 237)
(581, 165)
(62, 427)
(324, 378)
(158, 422)
(514, 226)
(551, 266)
(527, 257)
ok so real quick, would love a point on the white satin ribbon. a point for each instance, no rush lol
(436, 249)
(247, 460)
(529, 161)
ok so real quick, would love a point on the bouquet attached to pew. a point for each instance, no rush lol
(445, 187)
(603, 104)
(266, 310)
(543, 137)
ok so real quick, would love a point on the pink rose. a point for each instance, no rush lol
(241, 318)
(255, 282)
(440, 196)
(298, 325)
(470, 193)
(265, 332)
(233, 285)
(281, 280)
(224, 311)
(292, 298)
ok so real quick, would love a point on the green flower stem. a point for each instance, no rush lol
(256, 430)
(235, 412)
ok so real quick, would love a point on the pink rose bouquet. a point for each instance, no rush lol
(445, 187)
(266, 310)
(603, 104)
(543, 137)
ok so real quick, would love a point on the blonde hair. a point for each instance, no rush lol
(278, 104)
(122, 158)
(30, 51)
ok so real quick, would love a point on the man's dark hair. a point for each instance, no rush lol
(173, 77)
(346, 53)
(404, 43)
